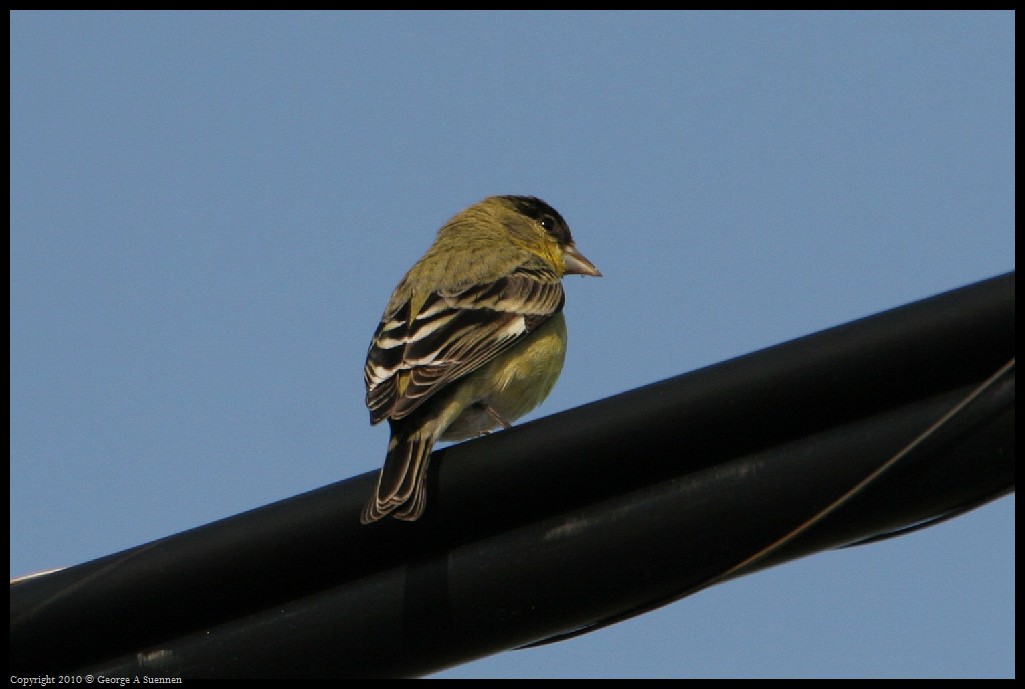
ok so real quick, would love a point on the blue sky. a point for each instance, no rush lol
(209, 211)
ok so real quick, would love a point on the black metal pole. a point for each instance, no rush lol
(561, 523)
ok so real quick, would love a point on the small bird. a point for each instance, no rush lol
(472, 338)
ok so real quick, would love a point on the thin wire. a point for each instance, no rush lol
(844, 498)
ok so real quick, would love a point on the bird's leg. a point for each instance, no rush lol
(490, 411)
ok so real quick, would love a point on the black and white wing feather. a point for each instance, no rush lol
(419, 349)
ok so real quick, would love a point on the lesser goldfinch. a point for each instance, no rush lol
(473, 338)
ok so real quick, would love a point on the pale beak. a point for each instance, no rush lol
(576, 264)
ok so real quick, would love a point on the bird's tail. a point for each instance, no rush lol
(401, 486)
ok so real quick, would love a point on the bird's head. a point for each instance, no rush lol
(539, 228)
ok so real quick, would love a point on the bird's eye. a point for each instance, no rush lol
(555, 228)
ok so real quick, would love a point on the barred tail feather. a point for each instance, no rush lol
(402, 482)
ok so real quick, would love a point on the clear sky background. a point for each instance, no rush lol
(209, 212)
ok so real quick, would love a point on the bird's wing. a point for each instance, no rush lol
(454, 332)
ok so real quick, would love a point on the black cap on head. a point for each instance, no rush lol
(535, 208)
